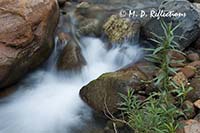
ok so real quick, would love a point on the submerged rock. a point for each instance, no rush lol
(26, 36)
(71, 57)
(189, 25)
(105, 90)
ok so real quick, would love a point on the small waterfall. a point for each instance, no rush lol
(48, 101)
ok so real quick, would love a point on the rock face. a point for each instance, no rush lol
(71, 57)
(26, 36)
(105, 90)
(189, 25)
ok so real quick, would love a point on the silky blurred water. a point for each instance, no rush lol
(48, 100)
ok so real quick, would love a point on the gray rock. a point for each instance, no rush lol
(189, 25)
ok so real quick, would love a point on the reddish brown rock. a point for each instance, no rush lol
(26, 36)
(177, 59)
(190, 126)
(189, 71)
(193, 57)
(176, 55)
(195, 64)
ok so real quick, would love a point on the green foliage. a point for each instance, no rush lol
(157, 114)
(130, 102)
(153, 118)
(181, 91)
(160, 56)
(150, 116)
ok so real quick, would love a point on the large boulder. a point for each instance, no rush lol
(189, 25)
(71, 57)
(26, 36)
(105, 90)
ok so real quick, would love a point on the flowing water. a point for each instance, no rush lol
(48, 101)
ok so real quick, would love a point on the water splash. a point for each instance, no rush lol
(48, 101)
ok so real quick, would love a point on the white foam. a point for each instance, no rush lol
(51, 103)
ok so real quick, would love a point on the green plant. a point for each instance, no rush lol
(151, 116)
(160, 55)
(157, 114)
(130, 102)
(181, 91)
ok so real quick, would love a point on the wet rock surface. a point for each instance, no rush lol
(26, 36)
(71, 57)
(104, 92)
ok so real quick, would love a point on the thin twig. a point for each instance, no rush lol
(110, 115)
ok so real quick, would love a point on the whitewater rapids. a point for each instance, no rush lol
(48, 101)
